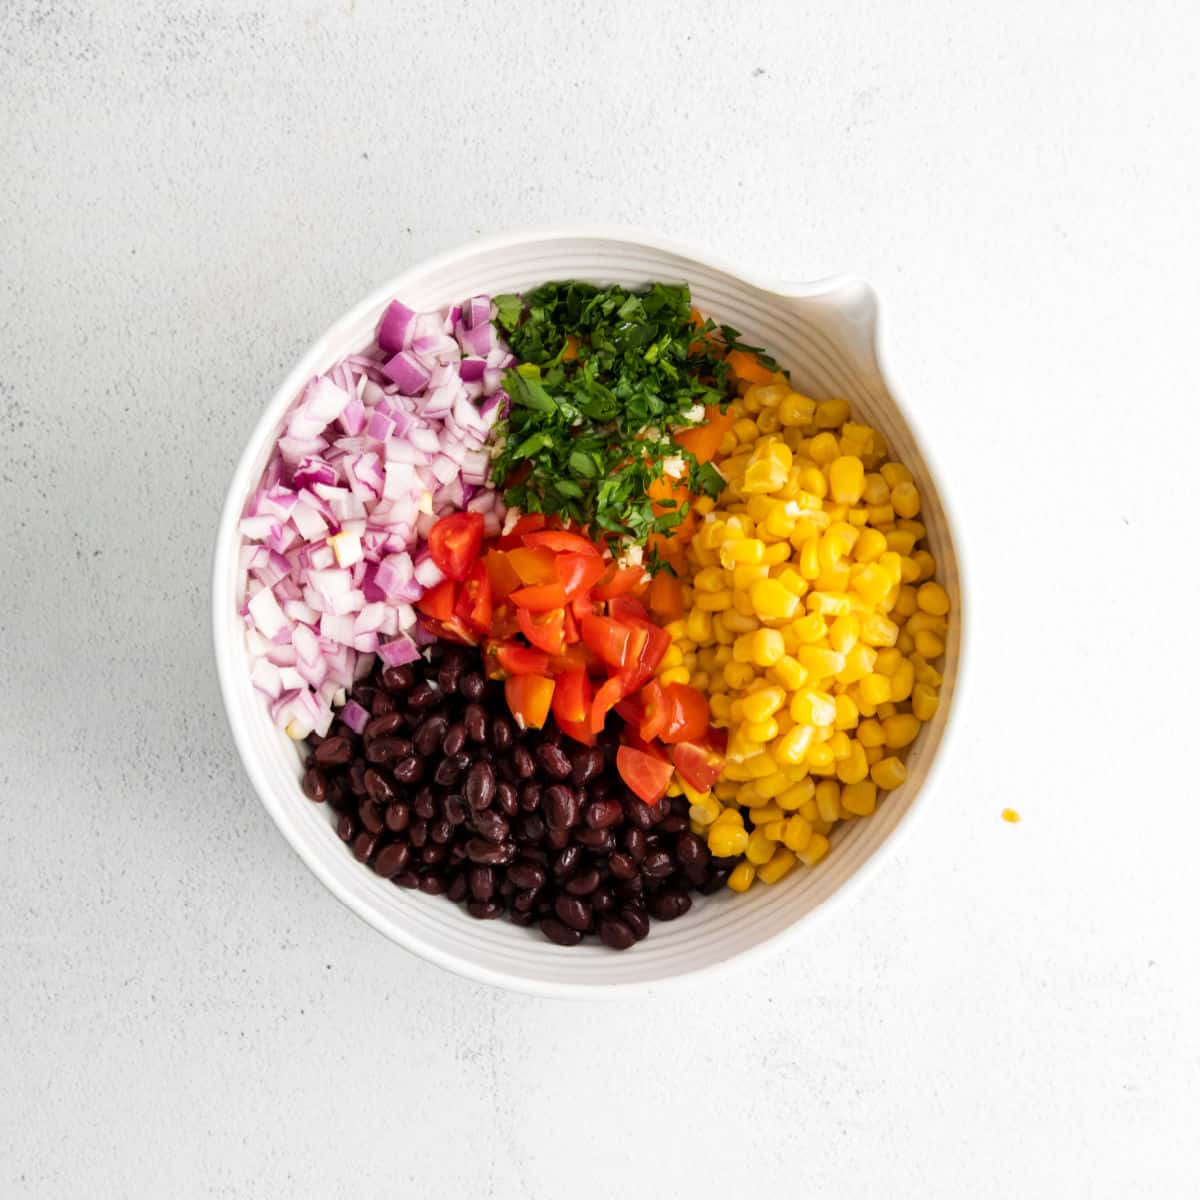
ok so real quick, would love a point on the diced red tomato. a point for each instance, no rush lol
(529, 699)
(686, 713)
(628, 608)
(533, 567)
(438, 602)
(521, 660)
(573, 658)
(666, 596)
(450, 630)
(622, 580)
(654, 711)
(530, 523)
(698, 766)
(570, 627)
(543, 630)
(608, 694)
(582, 606)
(454, 543)
(474, 604)
(541, 598)
(572, 702)
(502, 574)
(504, 622)
(578, 572)
(607, 639)
(646, 775)
(649, 644)
(561, 542)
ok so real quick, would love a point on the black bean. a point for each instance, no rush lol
(409, 770)
(398, 679)
(621, 865)
(502, 734)
(480, 786)
(574, 912)
(583, 883)
(689, 849)
(506, 799)
(418, 831)
(557, 838)
(616, 934)
(715, 881)
(482, 882)
(424, 695)
(424, 803)
(382, 725)
(490, 854)
(334, 751)
(455, 808)
(456, 890)
(428, 735)
(586, 765)
(381, 704)
(406, 879)
(601, 814)
(346, 827)
(440, 831)
(472, 686)
(378, 786)
(527, 875)
(491, 825)
(448, 675)
(530, 795)
(567, 860)
(672, 823)
(433, 852)
(553, 762)
(634, 915)
(475, 721)
(560, 806)
(525, 901)
(450, 770)
(523, 762)
(392, 859)
(370, 816)
(314, 785)
(560, 934)
(635, 844)
(455, 739)
(669, 904)
(531, 828)
(484, 910)
(397, 816)
(521, 918)
(658, 864)
(603, 841)
(432, 884)
(603, 899)
(364, 845)
(357, 775)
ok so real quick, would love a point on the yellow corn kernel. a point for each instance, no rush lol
(741, 877)
(828, 793)
(767, 647)
(870, 545)
(902, 682)
(894, 473)
(854, 767)
(741, 648)
(870, 733)
(675, 675)
(703, 505)
(742, 550)
(906, 500)
(932, 598)
(924, 702)
(816, 850)
(885, 710)
(874, 754)
(881, 514)
(788, 672)
(745, 430)
(795, 409)
(831, 414)
(794, 746)
(705, 810)
(900, 730)
(925, 564)
(701, 680)
(759, 731)
(763, 703)
(699, 626)
(759, 848)
(822, 827)
(764, 814)
(810, 559)
(859, 798)
(777, 554)
(877, 630)
(871, 583)
(768, 421)
(909, 571)
(768, 788)
(823, 449)
(815, 482)
(846, 479)
(846, 712)
(902, 542)
(737, 674)
(792, 580)
(875, 689)
(779, 864)
(906, 602)
(843, 633)
(905, 644)
(710, 579)
(796, 796)
(796, 833)
(759, 765)
(888, 773)
(819, 759)
(711, 535)
(839, 745)
(820, 662)
(929, 645)
(724, 790)
(813, 708)
(860, 662)
(718, 706)
(829, 604)
(672, 657)
(726, 840)
(887, 662)
(876, 490)
(714, 601)
(764, 476)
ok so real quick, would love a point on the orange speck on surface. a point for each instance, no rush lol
(1011, 815)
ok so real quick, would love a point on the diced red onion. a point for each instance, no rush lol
(396, 329)
(354, 715)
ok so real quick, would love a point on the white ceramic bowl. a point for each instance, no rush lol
(825, 334)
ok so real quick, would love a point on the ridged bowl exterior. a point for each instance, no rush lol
(825, 334)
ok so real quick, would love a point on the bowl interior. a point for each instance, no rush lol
(825, 336)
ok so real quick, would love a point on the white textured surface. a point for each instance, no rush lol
(186, 201)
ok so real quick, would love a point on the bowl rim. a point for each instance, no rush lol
(226, 543)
